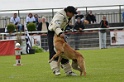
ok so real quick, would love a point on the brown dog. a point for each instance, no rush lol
(63, 50)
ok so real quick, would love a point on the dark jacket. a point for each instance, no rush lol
(91, 18)
(103, 24)
(39, 28)
(79, 25)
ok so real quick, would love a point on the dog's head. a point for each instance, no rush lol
(58, 38)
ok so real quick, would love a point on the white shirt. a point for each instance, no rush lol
(28, 19)
(44, 26)
(14, 20)
(59, 21)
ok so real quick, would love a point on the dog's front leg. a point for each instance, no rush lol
(56, 55)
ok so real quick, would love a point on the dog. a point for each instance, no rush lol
(63, 50)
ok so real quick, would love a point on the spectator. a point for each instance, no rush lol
(90, 17)
(79, 26)
(79, 15)
(30, 18)
(16, 21)
(43, 25)
(36, 18)
(123, 16)
(103, 24)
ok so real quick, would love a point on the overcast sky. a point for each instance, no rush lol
(34, 4)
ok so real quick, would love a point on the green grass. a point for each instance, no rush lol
(105, 65)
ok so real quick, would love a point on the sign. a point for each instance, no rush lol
(35, 41)
(117, 37)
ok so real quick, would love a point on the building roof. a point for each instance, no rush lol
(37, 4)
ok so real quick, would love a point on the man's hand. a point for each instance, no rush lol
(107, 26)
(80, 29)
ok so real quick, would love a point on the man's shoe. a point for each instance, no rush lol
(57, 73)
(71, 74)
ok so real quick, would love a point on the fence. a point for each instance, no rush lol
(112, 12)
(88, 39)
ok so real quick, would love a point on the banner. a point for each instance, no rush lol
(35, 41)
(117, 37)
(7, 47)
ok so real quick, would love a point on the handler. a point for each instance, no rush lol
(59, 22)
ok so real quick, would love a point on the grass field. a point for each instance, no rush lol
(106, 65)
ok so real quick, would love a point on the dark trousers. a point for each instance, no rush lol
(50, 36)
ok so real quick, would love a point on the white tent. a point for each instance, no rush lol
(39, 4)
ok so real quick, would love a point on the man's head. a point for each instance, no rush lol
(79, 19)
(43, 19)
(79, 12)
(36, 15)
(30, 15)
(15, 15)
(70, 11)
(90, 12)
(104, 18)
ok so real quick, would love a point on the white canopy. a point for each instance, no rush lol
(39, 4)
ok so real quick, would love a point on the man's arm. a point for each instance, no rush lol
(56, 24)
(107, 24)
(82, 26)
(93, 18)
(27, 20)
(11, 20)
(100, 23)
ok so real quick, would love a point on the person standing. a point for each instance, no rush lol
(59, 22)
(79, 26)
(102, 33)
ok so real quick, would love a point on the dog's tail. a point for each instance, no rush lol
(81, 64)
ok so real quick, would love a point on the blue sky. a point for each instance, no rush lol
(34, 4)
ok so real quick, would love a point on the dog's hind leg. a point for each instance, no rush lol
(81, 64)
(75, 65)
